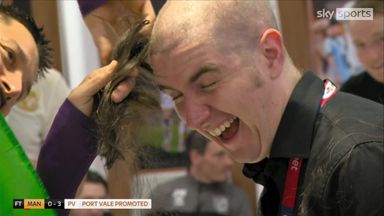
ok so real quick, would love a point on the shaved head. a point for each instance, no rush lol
(215, 58)
(215, 22)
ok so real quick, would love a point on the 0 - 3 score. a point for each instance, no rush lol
(54, 204)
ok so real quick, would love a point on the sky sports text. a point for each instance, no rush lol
(346, 14)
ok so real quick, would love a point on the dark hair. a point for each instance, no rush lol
(118, 123)
(94, 177)
(44, 50)
(197, 142)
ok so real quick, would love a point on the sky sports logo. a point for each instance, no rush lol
(346, 14)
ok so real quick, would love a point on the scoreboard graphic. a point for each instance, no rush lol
(30, 204)
(38, 204)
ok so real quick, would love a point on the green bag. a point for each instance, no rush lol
(18, 178)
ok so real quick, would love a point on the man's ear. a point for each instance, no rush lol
(272, 49)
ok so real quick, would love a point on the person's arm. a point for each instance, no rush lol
(68, 152)
(70, 146)
(105, 20)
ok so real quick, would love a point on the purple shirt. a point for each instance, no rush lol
(69, 150)
(87, 6)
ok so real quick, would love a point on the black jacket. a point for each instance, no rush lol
(342, 149)
(365, 86)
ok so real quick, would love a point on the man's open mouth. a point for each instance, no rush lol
(227, 130)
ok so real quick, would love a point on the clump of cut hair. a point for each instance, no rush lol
(118, 123)
(44, 50)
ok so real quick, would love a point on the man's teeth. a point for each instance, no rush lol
(219, 130)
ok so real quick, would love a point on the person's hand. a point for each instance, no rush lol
(106, 22)
(82, 96)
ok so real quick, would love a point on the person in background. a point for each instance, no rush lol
(205, 189)
(92, 187)
(335, 53)
(355, 65)
(368, 38)
(318, 30)
(32, 117)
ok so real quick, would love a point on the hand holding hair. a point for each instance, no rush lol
(82, 96)
(127, 100)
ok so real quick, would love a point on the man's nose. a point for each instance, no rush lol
(12, 85)
(194, 113)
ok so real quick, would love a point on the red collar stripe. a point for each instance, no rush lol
(294, 167)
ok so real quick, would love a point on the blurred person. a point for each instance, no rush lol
(335, 52)
(368, 37)
(318, 29)
(92, 187)
(354, 63)
(32, 117)
(205, 189)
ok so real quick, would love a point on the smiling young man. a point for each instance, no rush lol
(24, 54)
(226, 67)
(368, 38)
